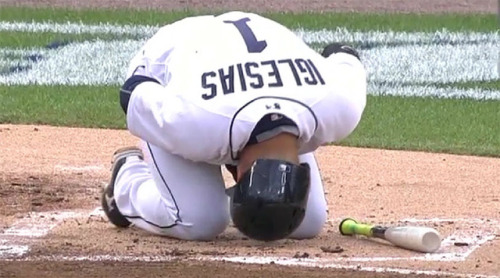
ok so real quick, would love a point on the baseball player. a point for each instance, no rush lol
(240, 91)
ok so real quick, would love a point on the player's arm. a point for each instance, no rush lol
(346, 101)
(148, 65)
(335, 48)
(129, 86)
(153, 114)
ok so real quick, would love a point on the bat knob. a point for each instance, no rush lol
(346, 226)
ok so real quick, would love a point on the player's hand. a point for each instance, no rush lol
(337, 47)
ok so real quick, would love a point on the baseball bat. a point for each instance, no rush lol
(421, 239)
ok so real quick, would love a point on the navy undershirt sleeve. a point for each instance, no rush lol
(129, 86)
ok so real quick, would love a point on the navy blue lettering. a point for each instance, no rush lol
(316, 72)
(260, 82)
(303, 66)
(227, 80)
(293, 69)
(274, 73)
(257, 75)
(206, 85)
(241, 74)
(311, 80)
(253, 45)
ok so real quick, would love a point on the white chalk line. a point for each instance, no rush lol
(39, 224)
(16, 250)
(310, 36)
(322, 263)
(32, 226)
(449, 251)
(89, 168)
(291, 262)
(450, 220)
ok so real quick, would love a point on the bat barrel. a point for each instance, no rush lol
(422, 239)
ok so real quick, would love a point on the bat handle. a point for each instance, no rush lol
(349, 226)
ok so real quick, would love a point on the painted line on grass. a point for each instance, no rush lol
(428, 64)
(78, 28)
(310, 36)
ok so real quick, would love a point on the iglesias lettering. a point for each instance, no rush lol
(257, 75)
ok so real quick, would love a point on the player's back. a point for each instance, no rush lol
(235, 57)
(222, 74)
(183, 51)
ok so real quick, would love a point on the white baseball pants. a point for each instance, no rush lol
(168, 195)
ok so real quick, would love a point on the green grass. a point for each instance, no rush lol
(443, 125)
(486, 85)
(42, 39)
(397, 22)
(440, 125)
(85, 106)
(428, 124)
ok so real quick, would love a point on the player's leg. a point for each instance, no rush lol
(172, 196)
(316, 210)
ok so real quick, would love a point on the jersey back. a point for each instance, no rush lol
(231, 70)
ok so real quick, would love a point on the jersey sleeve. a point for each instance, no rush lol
(346, 100)
(152, 58)
(154, 113)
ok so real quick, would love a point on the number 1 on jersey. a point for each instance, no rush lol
(253, 45)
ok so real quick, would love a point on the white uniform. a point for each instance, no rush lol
(219, 75)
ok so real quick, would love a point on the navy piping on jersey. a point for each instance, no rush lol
(248, 103)
(178, 217)
(151, 223)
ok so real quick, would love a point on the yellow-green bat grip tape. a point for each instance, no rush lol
(349, 226)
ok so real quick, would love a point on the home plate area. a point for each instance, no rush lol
(87, 236)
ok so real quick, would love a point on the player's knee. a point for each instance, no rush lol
(312, 225)
(205, 225)
(316, 223)
(205, 230)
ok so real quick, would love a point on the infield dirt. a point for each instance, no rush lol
(59, 169)
(48, 169)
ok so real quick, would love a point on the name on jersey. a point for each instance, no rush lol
(256, 75)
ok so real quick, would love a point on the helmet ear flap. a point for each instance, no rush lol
(269, 201)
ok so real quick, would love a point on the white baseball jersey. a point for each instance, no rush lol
(220, 75)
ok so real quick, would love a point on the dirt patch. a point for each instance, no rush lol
(171, 269)
(48, 168)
